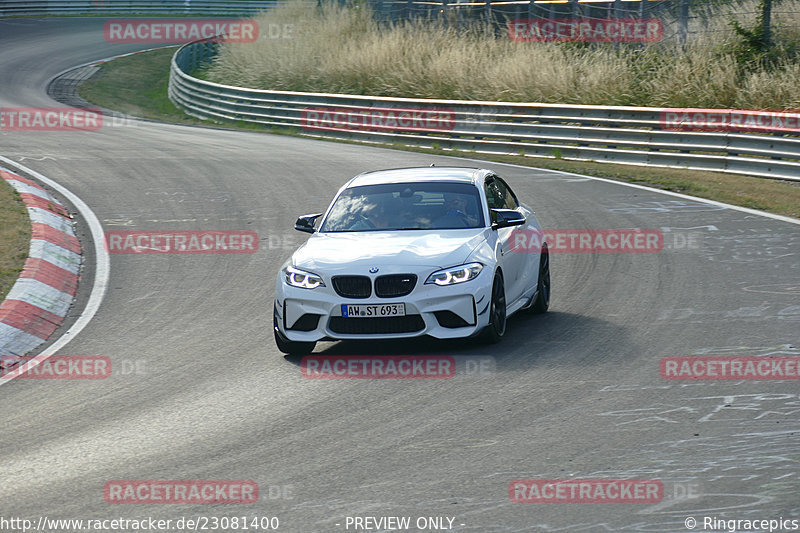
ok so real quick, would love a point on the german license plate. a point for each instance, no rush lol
(373, 310)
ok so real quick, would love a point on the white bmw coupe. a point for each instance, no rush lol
(409, 252)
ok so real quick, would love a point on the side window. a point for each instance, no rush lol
(499, 196)
(494, 198)
(510, 199)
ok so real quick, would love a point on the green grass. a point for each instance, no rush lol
(15, 236)
(136, 85)
(116, 85)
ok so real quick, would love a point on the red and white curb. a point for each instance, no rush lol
(38, 302)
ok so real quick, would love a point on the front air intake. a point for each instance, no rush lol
(352, 286)
(395, 285)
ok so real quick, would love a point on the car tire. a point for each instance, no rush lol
(494, 332)
(290, 347)
(542, 302)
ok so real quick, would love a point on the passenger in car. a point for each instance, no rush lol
(455, 215)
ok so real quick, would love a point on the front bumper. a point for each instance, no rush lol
(310, 315)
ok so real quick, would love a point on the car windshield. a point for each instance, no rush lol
(405, 206)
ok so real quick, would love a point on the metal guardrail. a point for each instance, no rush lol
(13, 8)
(629, 135)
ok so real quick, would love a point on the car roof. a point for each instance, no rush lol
(414, 174)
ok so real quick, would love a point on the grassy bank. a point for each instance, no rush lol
(136, 85)
(343, 50)
(15, 235)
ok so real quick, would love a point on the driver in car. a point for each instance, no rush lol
(374, 216)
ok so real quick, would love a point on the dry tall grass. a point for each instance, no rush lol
(334, 49)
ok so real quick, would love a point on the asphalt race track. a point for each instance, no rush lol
(202, 393)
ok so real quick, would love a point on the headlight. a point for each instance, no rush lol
(459, 274)
(300, 278)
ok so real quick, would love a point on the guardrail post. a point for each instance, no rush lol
(766, 15)
(684, 20)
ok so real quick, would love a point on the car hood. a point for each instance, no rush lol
(329, 252)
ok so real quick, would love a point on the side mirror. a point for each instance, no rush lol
(306, 222)
(507, 218)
